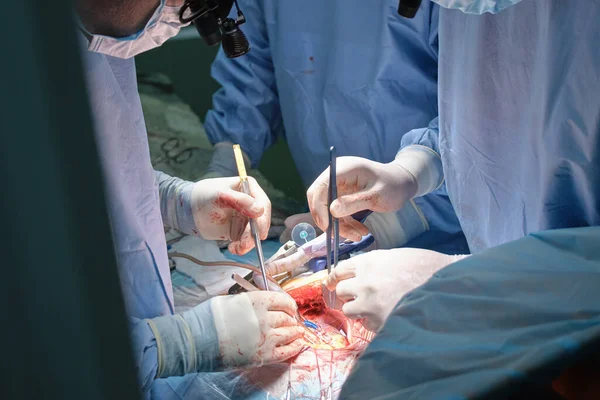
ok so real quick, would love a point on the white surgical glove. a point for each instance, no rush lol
(390, 230)
(313, 249)
(291, 221)
(221, 211)
(215, 209)
(228, 332)
(368, 185)
(371, 284)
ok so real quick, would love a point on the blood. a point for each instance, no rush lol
(347, 187)
(373, 200)
(224, 200)
(321, 367)
(217, 217)
(311, 305)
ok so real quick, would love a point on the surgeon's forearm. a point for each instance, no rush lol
(145, 354)
(175, 203)
(427, 136)
(419, 155)
(174, 345)
(185, 343)
(424, 164)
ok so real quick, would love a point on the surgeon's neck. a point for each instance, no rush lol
(117, 18)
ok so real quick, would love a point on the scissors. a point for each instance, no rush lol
(171, 152)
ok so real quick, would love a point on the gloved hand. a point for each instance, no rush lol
(371, 284)
(386, 228)
(221, 211)
(216, 209)
(315, 248)
(222, 163)
(363, 184)
(292, 221)
(228, 332)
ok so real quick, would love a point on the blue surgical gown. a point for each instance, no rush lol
(134, 205)
(519, 96)
(346, 73)
(486, 327)
(519, 130)
(131, 187)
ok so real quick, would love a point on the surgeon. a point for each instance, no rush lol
(518, 149)
(346, 73)
(226, 332)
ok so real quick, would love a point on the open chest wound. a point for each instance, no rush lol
(319, 371)
(335, 329)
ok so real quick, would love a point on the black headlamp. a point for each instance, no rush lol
(211, 19)
(408, 8)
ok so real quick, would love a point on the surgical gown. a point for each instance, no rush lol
(520, 118)
(346, 73)
(519, 131)
(134, 206)
(131, 186)
(496, 325)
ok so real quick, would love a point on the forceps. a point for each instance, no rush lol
(333, 229)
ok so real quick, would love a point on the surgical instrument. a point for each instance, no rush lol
(253, 226)
(244, 283)
(333, 233)
(251, 288)
(333, 226)
(346, 247)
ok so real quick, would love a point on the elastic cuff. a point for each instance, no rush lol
(186, 343)
(237, 327)
(184, 216)
(176, 203)
(222, 163)
(175, 345)
(395, 229)
(424, 164)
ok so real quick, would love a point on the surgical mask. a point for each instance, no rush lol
(477, 6)
(163, 25)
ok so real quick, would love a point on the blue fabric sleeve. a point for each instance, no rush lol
(434, 29)
(175, 345)
(145, 354)
(519, 313)
(428, 137)
(186, 342)
(176, 203)
(246, 109)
